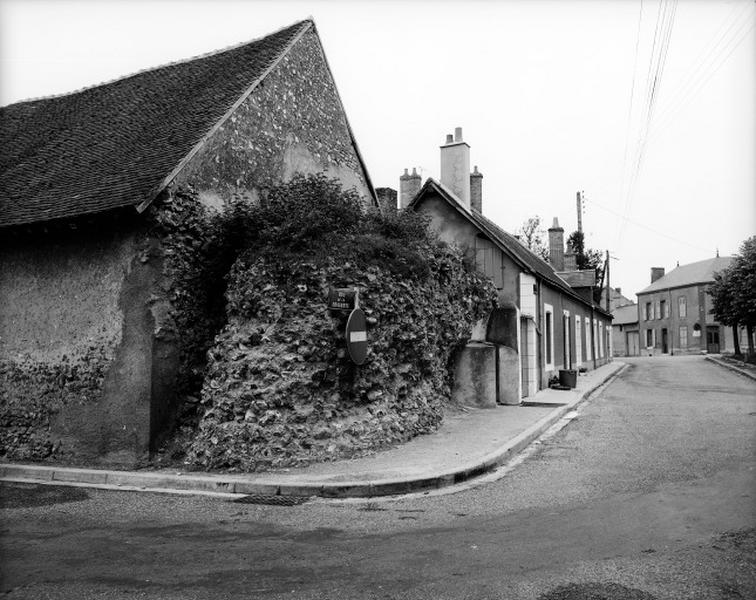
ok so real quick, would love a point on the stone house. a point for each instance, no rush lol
(625, 331)
(88, 359)
(542, 324)
(674, 311)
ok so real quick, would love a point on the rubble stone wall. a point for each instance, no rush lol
(291, 123)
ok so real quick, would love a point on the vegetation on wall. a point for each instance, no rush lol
(279, 388)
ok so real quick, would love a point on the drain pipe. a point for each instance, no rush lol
(593, 339)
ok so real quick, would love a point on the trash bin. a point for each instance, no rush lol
(568, 377)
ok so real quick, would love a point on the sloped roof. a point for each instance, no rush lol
(119, 143)
(507, 242)
(690, 274)
(625, 314)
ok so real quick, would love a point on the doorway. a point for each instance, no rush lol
(665, 347)
(712, 339)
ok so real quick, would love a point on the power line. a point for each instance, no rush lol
(672, 110)
(651, 229)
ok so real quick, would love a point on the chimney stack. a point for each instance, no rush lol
(556, 246)
(656, 273)
(409, 186)
(476, 190)
(455, 166)
(386, 199)
(570, 259)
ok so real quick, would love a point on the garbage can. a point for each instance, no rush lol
(568, 377)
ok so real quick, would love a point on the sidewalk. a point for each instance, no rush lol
(466, 445)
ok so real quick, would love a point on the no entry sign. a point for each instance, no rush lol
(356, 336)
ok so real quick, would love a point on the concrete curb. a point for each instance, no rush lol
(235, 485)
(727, 365)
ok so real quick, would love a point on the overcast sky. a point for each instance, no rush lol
(542, 90)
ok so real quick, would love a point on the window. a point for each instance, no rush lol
(601, 340)
(649, 338)
(683, 336)
(657, 310)
(649, 312)
(682, 306)
(664, 310)
(549, 334)
(588, 355)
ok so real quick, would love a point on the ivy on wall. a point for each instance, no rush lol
(279, 389)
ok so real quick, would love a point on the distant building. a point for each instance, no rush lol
(625, 332)
(674, 312)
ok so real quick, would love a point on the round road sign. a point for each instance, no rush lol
(356, 336)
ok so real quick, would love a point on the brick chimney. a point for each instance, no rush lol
(556, 246)
(656, 273)
(409, 186)
(570, 259)
(386, 199)
(476, 190)
(455, 166)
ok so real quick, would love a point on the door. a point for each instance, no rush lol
(633, 343)
(712, 340)
(665, 349)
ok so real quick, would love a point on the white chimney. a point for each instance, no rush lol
(455, 166)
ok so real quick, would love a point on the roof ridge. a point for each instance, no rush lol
(177, 62)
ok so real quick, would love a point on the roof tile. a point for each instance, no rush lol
(112, 145)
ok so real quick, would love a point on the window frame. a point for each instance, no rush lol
(548, 335)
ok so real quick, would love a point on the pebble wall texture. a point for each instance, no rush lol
(291, 123)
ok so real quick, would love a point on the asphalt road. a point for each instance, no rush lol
(648, 494)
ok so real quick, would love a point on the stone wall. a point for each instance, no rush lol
(76, 342)
(291, 123)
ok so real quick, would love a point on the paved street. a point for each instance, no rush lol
(648, 494)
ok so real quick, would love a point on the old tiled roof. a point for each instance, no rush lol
(507, 242)
(113, 145)
(690, 274)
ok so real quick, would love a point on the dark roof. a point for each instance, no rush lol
(114, 144)
(690, 274)
(506, 241)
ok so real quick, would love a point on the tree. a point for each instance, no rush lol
(734, 292)
(531, 235)
(586, 259)
(722, 296)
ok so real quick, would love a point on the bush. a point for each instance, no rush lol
(279, 389)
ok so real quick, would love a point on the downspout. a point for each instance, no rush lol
(594, 330)
(539, 335)
(669, 321)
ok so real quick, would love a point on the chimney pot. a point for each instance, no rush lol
(409, 186)
(449, 138)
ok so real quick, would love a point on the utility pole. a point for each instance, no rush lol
(579, 203)
(608, 286)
